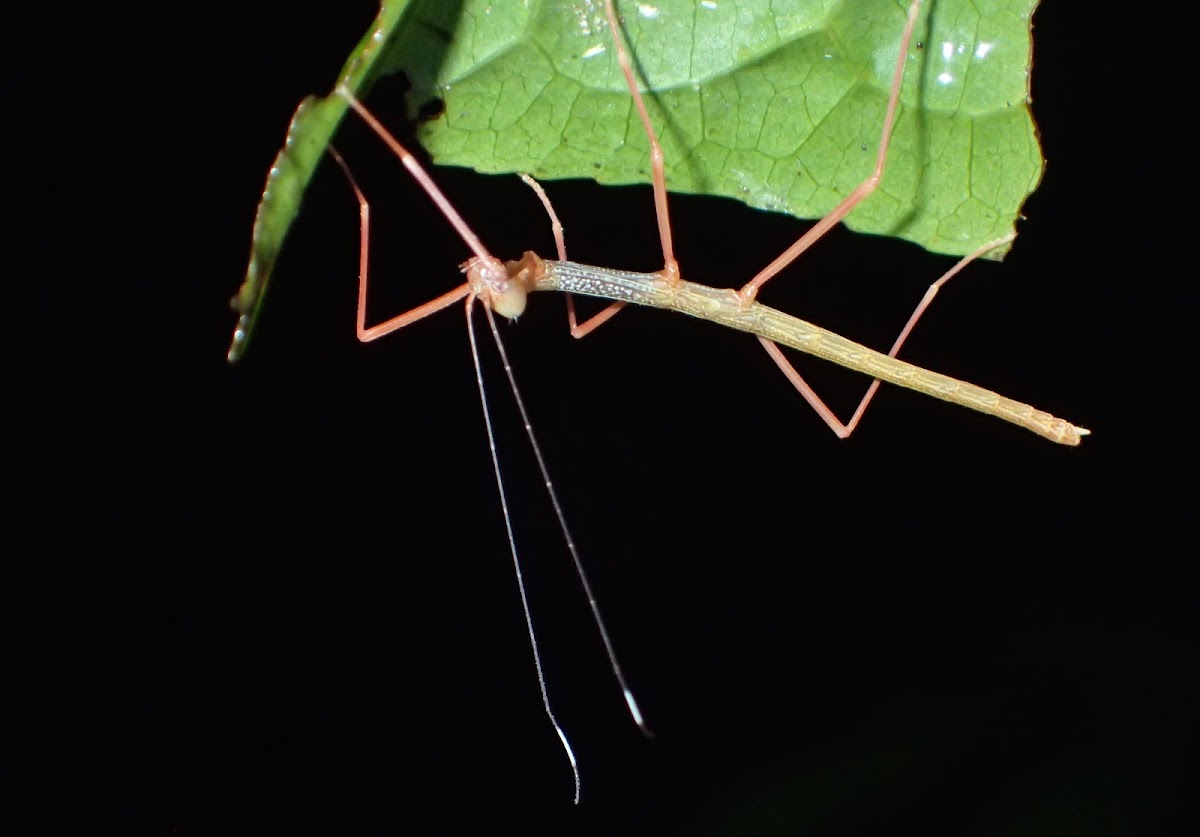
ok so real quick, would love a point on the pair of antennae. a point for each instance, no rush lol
(614, 664)
(471, 294)
(488, 280)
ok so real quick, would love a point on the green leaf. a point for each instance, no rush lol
(308, 136)
(778, 103)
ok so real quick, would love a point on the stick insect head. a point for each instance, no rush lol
(503, 287)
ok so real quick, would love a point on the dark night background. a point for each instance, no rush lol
(279, 596)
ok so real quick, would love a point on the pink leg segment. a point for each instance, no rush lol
(751, 288)
(443, 204)
(844, 430)
(670, 266)
(365, 334)
(577, 331)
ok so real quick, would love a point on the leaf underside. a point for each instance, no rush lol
(777, 103)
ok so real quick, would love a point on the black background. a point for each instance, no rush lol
(279, 594)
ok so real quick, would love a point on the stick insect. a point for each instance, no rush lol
(502, 288)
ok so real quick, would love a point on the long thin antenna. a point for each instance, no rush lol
(634, 711)
(512, 543)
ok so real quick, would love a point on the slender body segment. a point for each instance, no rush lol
(724, 307)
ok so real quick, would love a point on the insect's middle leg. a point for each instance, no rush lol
(662, 212)
(670, 266)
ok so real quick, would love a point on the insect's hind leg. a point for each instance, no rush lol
(844, 430)
(594, 322)
(748, 291)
